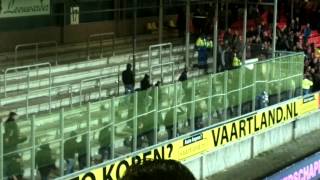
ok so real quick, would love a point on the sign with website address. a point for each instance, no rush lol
(211, 139)
(18, 8)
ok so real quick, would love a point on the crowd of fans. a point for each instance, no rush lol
(293, 36)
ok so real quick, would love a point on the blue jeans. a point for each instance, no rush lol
(70, 166)
(128, 88)
(306, 91)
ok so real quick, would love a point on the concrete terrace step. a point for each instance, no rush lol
(69, 53)
(91, 93)
(43, 73)
(73, 78)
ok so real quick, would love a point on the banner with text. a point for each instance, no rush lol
(211, 139)
(18, 8)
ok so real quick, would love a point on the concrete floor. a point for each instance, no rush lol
(272, 161)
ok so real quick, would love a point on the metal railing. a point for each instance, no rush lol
(187, 106)
(99, 84)
(28, 68)
(101, 37)
(36, 50)
(49, 95)
(160, 47)
(171, 64)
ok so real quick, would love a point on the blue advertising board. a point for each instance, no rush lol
(309, 168)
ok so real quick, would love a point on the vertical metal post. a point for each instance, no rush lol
(226, 15)
(27, 105)
(210, 93)
(215, 36)
(254, 89)
(193, 105)
(62, 142)
(33, 150)
(88, 145)
(1, 149)
(101, 47)
(279, 62)
(50, 85)
(5, 83)
(134, 36)
(28, 80)
(175, 116)
(225, 96)
(292, 10)
(240, 90)
(274, 37)
(113, 117)
(80, 93)
(135, 123)
(37, 53)
(244, 43)
(160, 21)
(187, 33)
(155, 117)
(149, 59)
(100, 89)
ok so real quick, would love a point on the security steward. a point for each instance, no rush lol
(202, 46)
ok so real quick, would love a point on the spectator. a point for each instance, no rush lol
(145, 131)
(82, 152)
(70, 150)
(168, 121)
(306, 34)
(158, 170)
(297, 24)
(306, 85)
(145, 83)
(262, 100)
(12, 134)
(13, 167)
(105, 143)
(44, 161)
(184, 75)
(128, 79)
(236, 62)
(202, 46)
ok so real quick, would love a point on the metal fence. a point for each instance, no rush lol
(115, 127)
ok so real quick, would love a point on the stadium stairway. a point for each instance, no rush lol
(66, 82)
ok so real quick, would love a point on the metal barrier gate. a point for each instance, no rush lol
(36, 49)
(160, 47)
(171, 64)
(98, 79)
(101, 37)
(15, 69)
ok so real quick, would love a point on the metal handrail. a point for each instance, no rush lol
(15, 69)
(100, 86)
(101, 37)
(160, 46)
(49, 96)
(36, 46)
(161, 66)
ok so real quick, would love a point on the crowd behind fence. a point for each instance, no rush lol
(76, 138)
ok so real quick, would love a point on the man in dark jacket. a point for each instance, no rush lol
(105, 143)
(145, 83)
(44, 161)
(12, 134)
(128, 79)
(70, 150)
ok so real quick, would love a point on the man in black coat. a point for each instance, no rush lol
(44, 161)
(128, 79)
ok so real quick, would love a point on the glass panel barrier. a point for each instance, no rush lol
(115, 127)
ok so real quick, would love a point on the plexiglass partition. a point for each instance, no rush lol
(76, 138)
